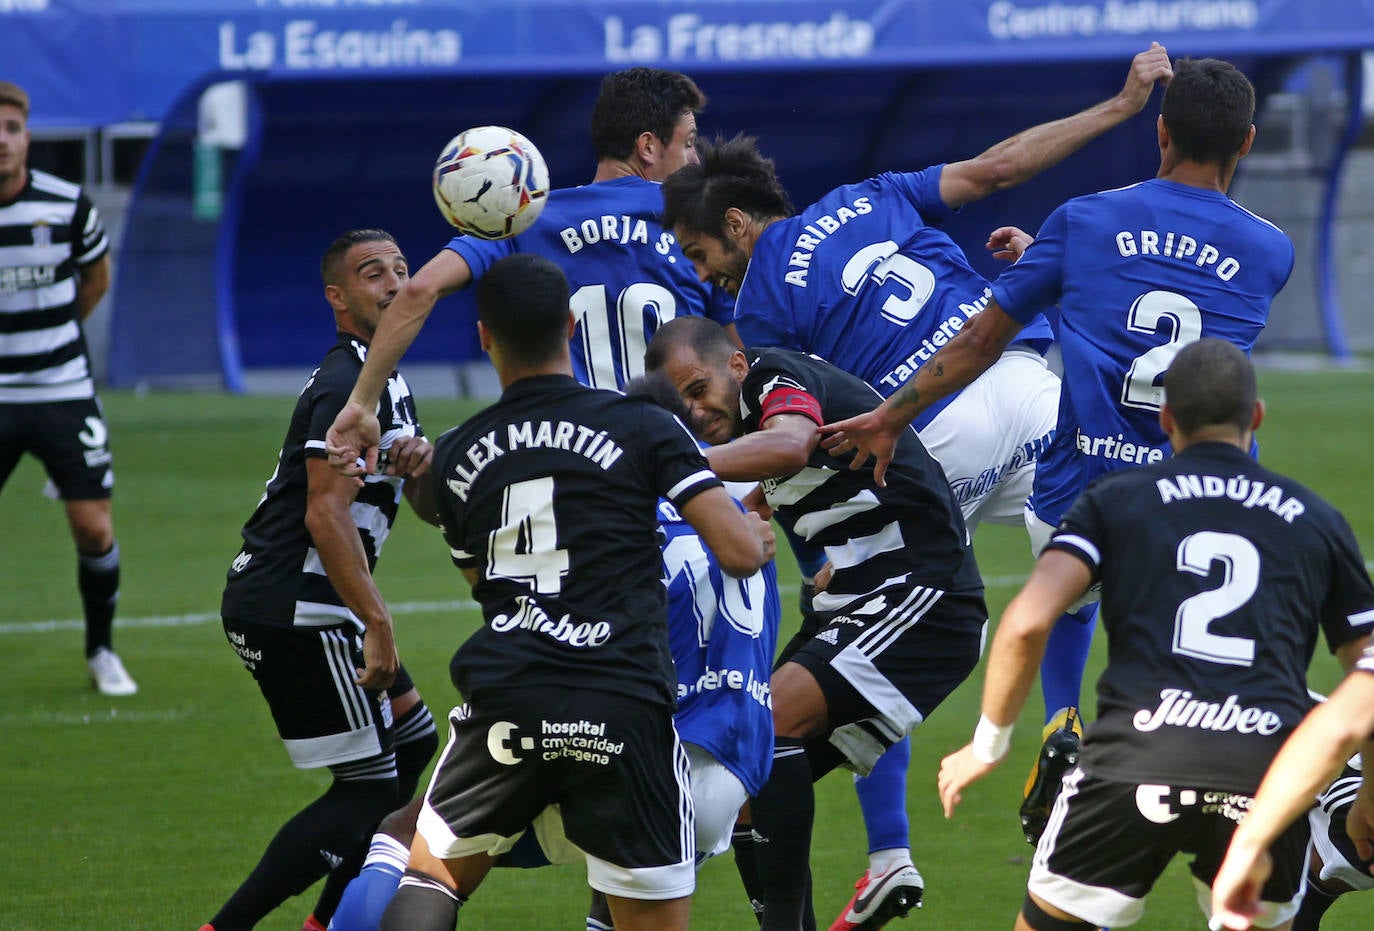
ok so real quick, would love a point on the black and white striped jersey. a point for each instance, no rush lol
(912, 531)
(277, 577)
(1218, 575)
(551, 495)
(47, 235)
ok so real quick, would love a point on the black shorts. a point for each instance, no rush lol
(1340, 860)
(68, 437)
(306, 675)
(885, 664)
(611, 764)
(1108, 842)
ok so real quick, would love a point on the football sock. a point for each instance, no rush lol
(307, 847)
(1314, 906)
(97, 577)
(1066, 656)
(422, 903)
(810, 558)
(783, 813)
(599, 913)
(367, 896)
(416, 743)
(882, 799)
(746, 864)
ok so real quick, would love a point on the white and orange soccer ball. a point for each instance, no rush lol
(491, 182)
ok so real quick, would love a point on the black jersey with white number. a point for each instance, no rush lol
(277, 577)
(911, 529)
(551, 495)
(48, 233)
(1217, 575)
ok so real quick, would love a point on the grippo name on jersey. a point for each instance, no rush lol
(1248, 492)
(1179, 246)
(611, 229)
(1178, 708)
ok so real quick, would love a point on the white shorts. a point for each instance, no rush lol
(990, 436)
(717, 796)
(1040, 533)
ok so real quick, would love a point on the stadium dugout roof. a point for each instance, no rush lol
(348, 102)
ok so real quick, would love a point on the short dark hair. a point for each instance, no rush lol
(330, 270)
(13, 95)
(1211, 383)
(656, 387)
(730, 173)
(522, 300)
(1208, 108)
(706, 338)
(637, 100)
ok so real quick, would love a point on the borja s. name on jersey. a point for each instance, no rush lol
(627, 276)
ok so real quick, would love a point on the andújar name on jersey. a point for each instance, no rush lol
(1245, 491)
(1178, 708)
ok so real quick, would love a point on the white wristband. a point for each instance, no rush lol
(991, 741)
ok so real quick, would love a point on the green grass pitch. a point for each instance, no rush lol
(145, 813)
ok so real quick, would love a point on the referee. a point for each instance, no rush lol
(54, 269)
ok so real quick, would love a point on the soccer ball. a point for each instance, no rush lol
(491, 182)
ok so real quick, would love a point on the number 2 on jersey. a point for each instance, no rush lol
(601, 335)
(1144, 386)
(525, 547)
(1241, 561)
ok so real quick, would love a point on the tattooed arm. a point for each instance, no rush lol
(957, 364)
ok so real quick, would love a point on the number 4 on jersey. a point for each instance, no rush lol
(525, 547)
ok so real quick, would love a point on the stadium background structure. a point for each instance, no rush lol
(342, 96)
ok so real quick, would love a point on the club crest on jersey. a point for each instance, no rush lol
(502, 743)
(42, 235)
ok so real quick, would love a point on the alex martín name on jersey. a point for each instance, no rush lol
(596, 445)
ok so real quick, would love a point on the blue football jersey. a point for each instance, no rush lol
(723, 632)
(1152, 267)
(864, 279)
(626, 273)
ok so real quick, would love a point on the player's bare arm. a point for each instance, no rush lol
(355, 433)
(1057, 580)
(741, 540)
(410, 457)
(336, 539)
(93, 281)
(779, 449)
(1311, 757)
(1026, 154)
(971, 353)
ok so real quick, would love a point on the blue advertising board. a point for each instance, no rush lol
(94, 62)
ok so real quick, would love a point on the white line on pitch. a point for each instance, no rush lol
(208, 617)
(203, 617)
(405, 607)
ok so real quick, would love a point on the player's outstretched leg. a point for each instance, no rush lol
(890, 886)
(1061, 677)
